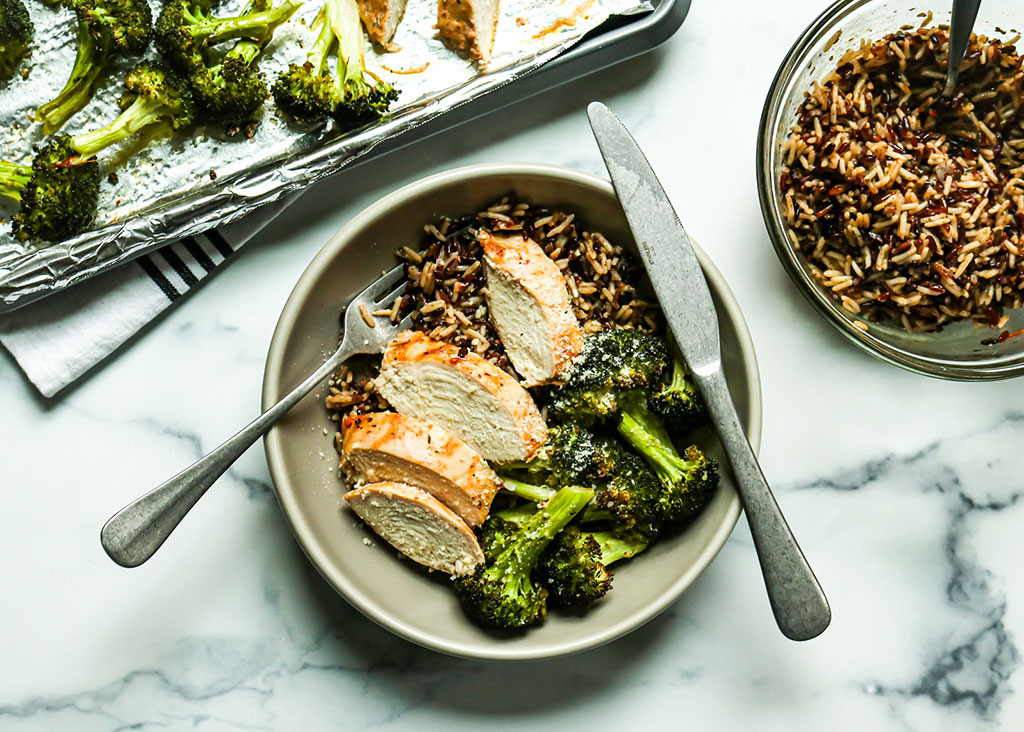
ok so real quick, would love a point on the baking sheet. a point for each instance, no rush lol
(174, 186)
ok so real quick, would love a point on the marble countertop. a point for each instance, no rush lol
(899, 488)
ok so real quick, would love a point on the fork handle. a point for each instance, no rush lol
(797, 600)
(134, 533)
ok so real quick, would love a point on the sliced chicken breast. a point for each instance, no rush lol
(466, 395)
(418, 525)
(468, 26)
(381, 18)
(395, 447)
(530, 307)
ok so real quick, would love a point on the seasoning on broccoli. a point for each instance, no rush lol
(502, 593)
(566, 458)
(105, 30)
(352, 96)
(628, 494)
(611, 362)
(185, 29)
(58, 192)
(16, 32)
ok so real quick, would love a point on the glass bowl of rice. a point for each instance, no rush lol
(900, 215)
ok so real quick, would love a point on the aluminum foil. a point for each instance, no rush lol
(173, 186)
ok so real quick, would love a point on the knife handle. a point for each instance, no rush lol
(798, 602)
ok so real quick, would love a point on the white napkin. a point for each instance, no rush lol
(58, 339)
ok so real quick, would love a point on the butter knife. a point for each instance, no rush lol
(797, 600)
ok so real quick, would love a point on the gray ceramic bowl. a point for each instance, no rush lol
(395, 592)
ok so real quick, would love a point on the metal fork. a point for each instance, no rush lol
(134, 533)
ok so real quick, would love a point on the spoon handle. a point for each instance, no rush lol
(796, 597)
(965, 12)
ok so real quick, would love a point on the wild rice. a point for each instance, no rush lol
(907, 206)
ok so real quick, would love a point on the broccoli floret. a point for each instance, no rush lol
(501, 594)
(566, 458)
(689, 480)
(58, 193)
(106, 29)
(353, 96)
(612, 361)
(678, 401)
(16, 31)
(232, 90)
(572, 571)
(153, 94)
(628, 493)
(185, 29)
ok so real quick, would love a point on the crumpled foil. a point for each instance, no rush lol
(171, 186)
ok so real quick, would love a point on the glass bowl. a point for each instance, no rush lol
(956, 351)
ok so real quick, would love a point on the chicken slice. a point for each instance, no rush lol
(418, 525)
(394, 447)
(381, 18)
(530, 307)
(466, 395)
(468, 26)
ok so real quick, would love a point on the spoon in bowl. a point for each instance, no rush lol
(965, 12)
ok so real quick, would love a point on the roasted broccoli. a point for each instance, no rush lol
(501, 594)
(232, 90)
(574, 567)
(16, 33)
(677, 401)
(627, 493)
(528, 491)
(566, 458)
(352, 96)
(58, 193)
(153, 94)
(612, 361)
(106, 29)
(689, 480)
(185, 29)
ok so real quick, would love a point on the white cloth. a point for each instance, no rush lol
(58, 339)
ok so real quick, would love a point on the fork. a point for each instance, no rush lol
(134, 533)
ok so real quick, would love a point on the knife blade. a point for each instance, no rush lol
(797, 600)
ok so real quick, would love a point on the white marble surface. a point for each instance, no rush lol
(902, 490)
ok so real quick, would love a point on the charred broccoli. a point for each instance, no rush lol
(233, 90)
(572, 570)
(566, 458)
(678, 401)
(106, 29)
(16, 31)
(689, 480)
(185, 29)
(58, 193)
(627, 493)
(352, 96)
(611, 362)
(501, 594)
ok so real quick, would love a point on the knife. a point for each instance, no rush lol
(797, 600)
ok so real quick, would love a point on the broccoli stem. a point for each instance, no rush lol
(140, 113)
(321, 49)
(90, 62)
(615, 547)
(650, 439)
(13, 179)
(343, 17)
(215, 30)
(541, 527)
(535, 493)
(679, 374)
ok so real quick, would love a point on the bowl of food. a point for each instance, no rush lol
(895, 211)
(488, 435)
